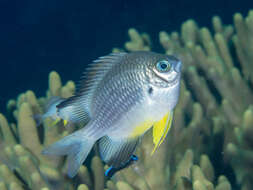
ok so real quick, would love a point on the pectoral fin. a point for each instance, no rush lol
(160, 130)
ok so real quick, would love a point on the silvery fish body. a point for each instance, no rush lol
(130, 93)
(121, 96)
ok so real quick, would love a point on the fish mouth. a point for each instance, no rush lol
(178, 67)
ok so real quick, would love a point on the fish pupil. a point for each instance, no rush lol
(164, 65)
(150, 90)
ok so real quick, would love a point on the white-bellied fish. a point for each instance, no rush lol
(121, 96)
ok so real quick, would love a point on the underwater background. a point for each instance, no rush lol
(46, 45)
(44, 35)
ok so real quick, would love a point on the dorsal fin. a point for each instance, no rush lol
(93, 75)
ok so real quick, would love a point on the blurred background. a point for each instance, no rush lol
(43, 35)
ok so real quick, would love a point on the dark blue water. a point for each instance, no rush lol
(43, 35)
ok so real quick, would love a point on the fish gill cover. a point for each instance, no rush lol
(208, 147)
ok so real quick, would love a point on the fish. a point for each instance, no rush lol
(120, 97)
(111, 170)
(50, 111)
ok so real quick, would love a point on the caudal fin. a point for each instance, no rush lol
(76, 146)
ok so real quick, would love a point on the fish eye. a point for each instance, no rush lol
(163, 66)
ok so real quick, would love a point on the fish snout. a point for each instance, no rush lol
(178, 66)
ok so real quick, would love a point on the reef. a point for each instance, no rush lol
(210, 146)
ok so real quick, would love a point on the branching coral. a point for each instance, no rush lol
(22, 165)
(214, 116)
(210, 143)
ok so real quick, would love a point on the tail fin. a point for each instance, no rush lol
(76, 146)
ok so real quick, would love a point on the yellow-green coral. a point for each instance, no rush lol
(22, 165)
(216, 97)
(210, 145)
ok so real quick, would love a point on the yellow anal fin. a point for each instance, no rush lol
(160, 130)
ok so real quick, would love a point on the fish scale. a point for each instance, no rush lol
(111, 105)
